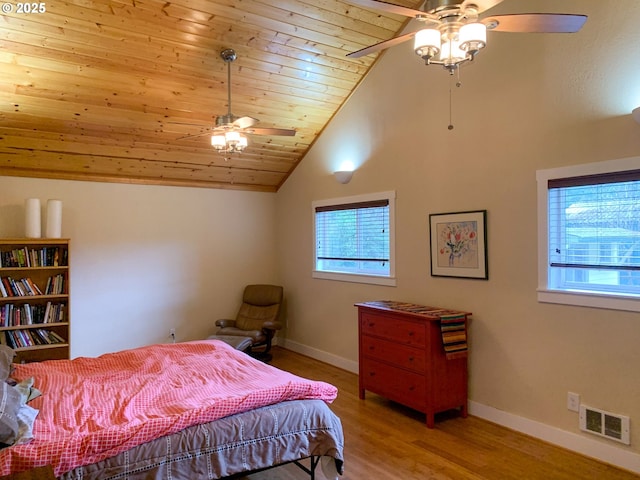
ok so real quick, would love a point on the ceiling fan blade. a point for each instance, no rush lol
(284, 132)
(536, 22)
(170, 122)
(196, 135)
(387, 7)
(245, 122)
(381, 45)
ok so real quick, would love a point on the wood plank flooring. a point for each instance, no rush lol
(385, 441)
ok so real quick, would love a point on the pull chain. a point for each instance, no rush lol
(450, 127)
(458, 85)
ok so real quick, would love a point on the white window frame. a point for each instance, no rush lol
(586, 299)
(389, 280)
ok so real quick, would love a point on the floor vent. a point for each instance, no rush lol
(605, 424)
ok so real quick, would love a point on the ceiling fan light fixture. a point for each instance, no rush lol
(451, 54)
(242, 143)
(426, 43)
(457, 29)
(473, 37)
(218, 142)
(229, 142)
(232, 137)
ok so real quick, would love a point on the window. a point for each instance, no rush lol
(589, 229)
(354, 239)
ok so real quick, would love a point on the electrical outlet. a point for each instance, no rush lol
(573, 402)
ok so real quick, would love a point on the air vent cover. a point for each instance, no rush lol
(605, 424)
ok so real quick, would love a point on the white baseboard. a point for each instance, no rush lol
(577, 443)
(340, 362)
(610, 454)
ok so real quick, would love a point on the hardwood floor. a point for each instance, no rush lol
(385, 441)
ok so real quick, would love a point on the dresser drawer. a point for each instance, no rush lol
(393, 383)
(393, 329)
(400, 355)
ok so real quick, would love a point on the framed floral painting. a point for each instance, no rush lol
(458, 244)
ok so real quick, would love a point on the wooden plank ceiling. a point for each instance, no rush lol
(104, 90)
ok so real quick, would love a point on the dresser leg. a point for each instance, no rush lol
(464, 411)
(431, 421)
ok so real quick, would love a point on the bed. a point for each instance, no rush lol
(181, 411)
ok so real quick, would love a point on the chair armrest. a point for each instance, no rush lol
(225, 322)
(271, 325)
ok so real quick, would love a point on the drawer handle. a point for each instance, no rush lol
(411, 359)
(371, 324)
(372, 374)
(411, 334)
(412, 388)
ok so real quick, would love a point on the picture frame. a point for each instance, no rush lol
(458, 244)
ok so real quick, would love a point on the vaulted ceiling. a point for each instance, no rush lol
(127, 91)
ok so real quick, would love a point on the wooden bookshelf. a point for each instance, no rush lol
(34, 297)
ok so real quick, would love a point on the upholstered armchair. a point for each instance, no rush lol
(257, 318)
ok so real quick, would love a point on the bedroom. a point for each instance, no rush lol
(150, 258)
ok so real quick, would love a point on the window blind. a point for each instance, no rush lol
(353, 237)
(594, 223)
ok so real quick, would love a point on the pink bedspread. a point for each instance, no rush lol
(94, 408)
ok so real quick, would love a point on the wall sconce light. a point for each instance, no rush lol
(636, 114)
(343, 176)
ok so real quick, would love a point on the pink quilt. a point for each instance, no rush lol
(94, 408)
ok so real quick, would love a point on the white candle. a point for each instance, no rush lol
(32, 218)
(54, 219)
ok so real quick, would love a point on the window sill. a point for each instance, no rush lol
(593, 300)
(355, 278)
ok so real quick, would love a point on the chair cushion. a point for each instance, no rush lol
(256, 336)
(262, 295)
(252, 317)
(237, 342)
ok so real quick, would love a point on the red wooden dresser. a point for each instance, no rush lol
(402, 357)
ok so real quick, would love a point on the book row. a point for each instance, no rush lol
(30, 338)
(13, 315)
(23, 287)
(34, 257)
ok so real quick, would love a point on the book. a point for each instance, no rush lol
(34, 287)
(55, 337)
(28, 314)
(7, 284)
(45, 317)
(26, 339)
(9, 339)
(43, 336)
(26, 287)
(35, 338)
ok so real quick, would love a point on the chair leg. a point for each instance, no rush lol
(262, 356)
(268, 344)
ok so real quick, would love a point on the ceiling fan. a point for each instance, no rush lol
(227, 136)
(454, 33)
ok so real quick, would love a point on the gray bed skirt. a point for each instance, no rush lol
(248, 441)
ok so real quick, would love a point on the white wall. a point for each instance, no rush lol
(528, 102)
(145, 259)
